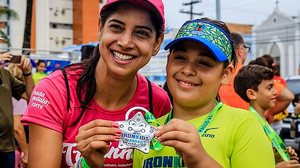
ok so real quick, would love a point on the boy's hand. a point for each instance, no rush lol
(185, 139)
(288, 164)
(292, 153)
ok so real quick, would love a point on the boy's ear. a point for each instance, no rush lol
(251, 94)
(228, 71)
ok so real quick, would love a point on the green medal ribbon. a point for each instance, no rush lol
(207, 120)
(150, 119)
(273, 136)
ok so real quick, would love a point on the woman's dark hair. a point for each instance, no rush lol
(86, 84)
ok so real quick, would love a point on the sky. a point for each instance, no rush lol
(252, 12)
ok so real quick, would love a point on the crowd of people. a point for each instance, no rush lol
(213, 111)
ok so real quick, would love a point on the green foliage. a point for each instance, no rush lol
(11, 14)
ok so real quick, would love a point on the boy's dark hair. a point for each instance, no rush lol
(250, 77)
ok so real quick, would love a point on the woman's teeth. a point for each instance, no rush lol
(122, 56)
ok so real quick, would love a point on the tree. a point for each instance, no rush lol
(10, 14)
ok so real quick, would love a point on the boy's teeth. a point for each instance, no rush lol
(122, 56)
(187, 84)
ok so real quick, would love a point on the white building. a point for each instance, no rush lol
(279, 36)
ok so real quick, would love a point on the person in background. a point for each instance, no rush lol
(40, 71)
(11, 87)
(296, 104)
(19, 107)
(226, 92)
(256, 86)
(200, 131)
(86, 52)
(283, 99)
(82, 129)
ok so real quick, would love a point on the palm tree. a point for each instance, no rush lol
(10, 14)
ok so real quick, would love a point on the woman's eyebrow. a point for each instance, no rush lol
(141, 27)
(145, 27)
(115, 20)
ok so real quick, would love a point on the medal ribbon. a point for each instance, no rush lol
(207, 120)
(150, 119)
(273, 136)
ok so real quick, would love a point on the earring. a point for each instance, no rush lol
(154, 53)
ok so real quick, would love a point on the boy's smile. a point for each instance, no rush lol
(194, 75)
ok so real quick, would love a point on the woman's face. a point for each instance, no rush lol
(128, 40)
(193, 74)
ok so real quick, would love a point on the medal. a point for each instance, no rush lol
(136, 132)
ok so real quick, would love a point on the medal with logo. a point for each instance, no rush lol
(137, 132)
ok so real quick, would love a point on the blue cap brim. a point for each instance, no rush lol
(218, 53)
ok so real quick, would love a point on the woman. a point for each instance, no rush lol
(101, 91)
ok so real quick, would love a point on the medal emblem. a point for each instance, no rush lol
(136, 132)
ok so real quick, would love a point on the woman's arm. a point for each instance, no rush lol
(45, 147)
(21, 137)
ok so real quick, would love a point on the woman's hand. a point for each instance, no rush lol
(94, 138)
(185, 139)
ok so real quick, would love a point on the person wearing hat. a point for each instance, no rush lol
(73, 113)
(201, 131)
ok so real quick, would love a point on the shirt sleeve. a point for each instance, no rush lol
(252, 147)
(47, 105)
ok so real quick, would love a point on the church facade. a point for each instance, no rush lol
(279, 36)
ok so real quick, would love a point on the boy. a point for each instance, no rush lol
(256, 86)
(199, 62)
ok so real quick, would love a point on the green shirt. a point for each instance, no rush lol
(235, 139)
(38, 76)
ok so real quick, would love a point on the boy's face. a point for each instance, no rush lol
(194, 75)
(266, 94)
